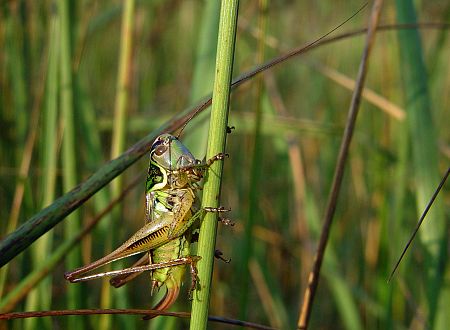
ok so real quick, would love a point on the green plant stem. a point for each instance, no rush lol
(216, 144)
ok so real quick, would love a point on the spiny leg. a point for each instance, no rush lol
(119, 280)
(202, 166)
(131, 270)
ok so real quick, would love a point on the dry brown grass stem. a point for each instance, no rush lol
(313, 278)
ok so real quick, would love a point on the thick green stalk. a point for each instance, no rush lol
(216, 144)
(424, 146)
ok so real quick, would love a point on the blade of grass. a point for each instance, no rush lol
(422, 217)
(15, 34)
(271, 301)
(25, 163)
(39, 298)
(216, 144)
(69, 150)
(424, 153)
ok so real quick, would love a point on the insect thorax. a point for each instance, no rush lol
(185, 177)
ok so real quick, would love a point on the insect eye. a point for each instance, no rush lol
(160, 150)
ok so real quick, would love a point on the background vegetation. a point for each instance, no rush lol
(81, 81)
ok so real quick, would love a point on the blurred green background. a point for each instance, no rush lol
(81, 81)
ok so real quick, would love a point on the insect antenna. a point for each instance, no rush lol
(196, 112)
(170, 155)
(427, 208)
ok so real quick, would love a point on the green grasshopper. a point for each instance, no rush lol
(174, 176)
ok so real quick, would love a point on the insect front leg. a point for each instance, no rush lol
(196, 171)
